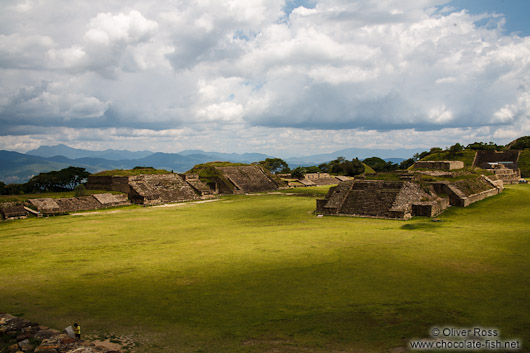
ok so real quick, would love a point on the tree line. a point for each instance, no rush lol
(339, 166)
(342, 166)
(66, 179)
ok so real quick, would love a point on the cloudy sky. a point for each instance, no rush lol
(284, 77)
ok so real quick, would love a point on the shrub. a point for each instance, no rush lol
(80, 190)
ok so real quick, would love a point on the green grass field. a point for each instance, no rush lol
(261, 273)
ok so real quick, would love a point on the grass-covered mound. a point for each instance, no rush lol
(466, 156)
(368, 169)
(263, 274)
(524, 163)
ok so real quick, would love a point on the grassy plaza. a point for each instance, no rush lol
(261, 273)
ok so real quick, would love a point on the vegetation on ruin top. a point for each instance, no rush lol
(132, 172)
(466, 156)
(520, 143)
(207, 172)
(524, 163)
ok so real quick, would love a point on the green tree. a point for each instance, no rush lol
(275, 165)
(380, 165)
(2, 188)
(456, 148)
(324, 167)
(520, 143)
(298, 172)
(357, 167)
(406, 163)
(483, 146)
(312, 169)
(72, 176)
(64, 179)
(14, 189)
(80, 190)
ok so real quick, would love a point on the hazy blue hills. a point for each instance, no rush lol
(18, 168)
(74, 153)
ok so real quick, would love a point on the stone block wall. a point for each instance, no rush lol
(373, 198)
(12, 210)
(109, 183)
(439, 165)
(245, 179)
(403, 199)
(153, 189)
(483, 158)
(49, 206)
(160, 188)
(507, 175)
(318, 179)
(430, 208)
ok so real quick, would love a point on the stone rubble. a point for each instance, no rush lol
(20, 335)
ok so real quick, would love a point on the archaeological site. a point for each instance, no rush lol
(426, 189)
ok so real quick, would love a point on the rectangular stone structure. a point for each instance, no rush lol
(439, 165)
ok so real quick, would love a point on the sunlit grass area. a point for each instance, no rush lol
(261, 273)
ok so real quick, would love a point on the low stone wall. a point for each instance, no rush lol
(439, 165)
(507, 175)
(480, 196)
(430, 208)
(21, 335)
(12, 210)
(49, 206)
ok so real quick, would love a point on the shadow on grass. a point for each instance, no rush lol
(412, 226)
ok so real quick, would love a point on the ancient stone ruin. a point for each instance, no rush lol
(226, 178)
(378, 198)
(49, 206)
(403, 199)
(439, 165)
(245, 179)
(503, 164)
(13, 210)
(320, 179)
(153, 189)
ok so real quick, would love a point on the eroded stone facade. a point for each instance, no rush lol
(153, 189)
(403, 199)
(439, 165)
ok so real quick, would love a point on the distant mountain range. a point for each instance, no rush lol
(18, 168)
(74, 153)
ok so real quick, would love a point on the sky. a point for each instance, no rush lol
(282, 77)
